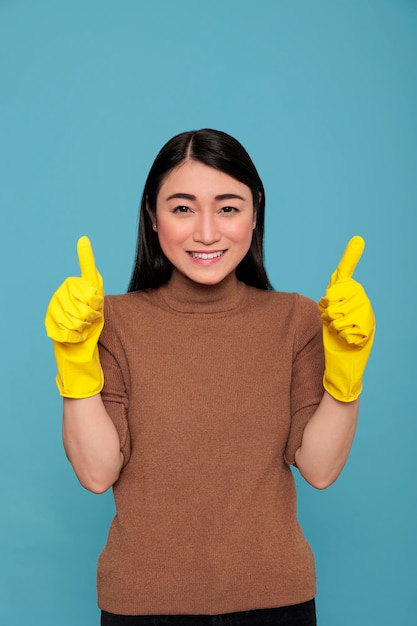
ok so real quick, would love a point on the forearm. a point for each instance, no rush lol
(91, 443)
(327, 441)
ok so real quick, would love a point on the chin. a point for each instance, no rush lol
(207, 280)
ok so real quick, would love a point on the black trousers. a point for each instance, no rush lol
(297, 615)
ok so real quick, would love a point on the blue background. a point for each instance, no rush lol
(323, 94)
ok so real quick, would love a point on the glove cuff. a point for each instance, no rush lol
(343, 393)
(78, 378)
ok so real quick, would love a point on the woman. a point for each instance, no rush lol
(213, 386)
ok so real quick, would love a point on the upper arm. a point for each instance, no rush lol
(115, 390)
(307, 372)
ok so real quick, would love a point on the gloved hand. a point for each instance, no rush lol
(348, 327)
(74, 321)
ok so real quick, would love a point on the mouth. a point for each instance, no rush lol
(206, 256)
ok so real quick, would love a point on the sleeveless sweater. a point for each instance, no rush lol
(210, 388)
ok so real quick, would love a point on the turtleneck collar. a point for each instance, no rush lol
(186, 296)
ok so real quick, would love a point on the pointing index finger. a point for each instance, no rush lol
(350, 257)
(87, 264)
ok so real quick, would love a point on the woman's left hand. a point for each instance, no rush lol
(348, 327)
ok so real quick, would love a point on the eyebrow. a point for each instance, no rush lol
(222, 196)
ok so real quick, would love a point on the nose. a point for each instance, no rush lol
(206, 229)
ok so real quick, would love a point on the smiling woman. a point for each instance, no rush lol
(207, 169)
(194, 393)
(206, 238)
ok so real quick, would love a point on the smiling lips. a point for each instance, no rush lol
(206, 257)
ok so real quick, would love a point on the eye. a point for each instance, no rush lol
(229, 209)
(181, 209)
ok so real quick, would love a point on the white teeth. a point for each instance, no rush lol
(203, 255)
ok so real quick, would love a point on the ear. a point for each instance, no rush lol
(255, 211)
(148, 210)
(151, 215)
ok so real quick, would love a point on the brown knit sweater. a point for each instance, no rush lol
(210, 389)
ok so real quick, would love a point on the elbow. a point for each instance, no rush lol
(318, 474)
(321, 484)
(96, 477)
(97, 482)
(96, 489)
(96, 486)
(319, 481)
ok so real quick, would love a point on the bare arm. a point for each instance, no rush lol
(327, 441)
(91, 443)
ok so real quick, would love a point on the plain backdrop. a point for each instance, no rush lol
(323, 94)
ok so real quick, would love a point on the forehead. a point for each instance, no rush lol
(198, 179)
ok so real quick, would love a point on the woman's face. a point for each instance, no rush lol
(205, 220)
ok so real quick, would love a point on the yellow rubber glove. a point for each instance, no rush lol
(74, 321)
(348, 327)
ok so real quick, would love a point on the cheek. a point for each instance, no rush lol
(170, 235)
(241, 233)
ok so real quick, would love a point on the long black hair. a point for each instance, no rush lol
(219, 150)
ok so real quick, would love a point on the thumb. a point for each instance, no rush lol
(349, 260)
(87, 263)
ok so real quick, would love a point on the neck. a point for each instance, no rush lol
(184, 295)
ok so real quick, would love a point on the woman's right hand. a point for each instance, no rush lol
(348, 327)
(74, 321)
